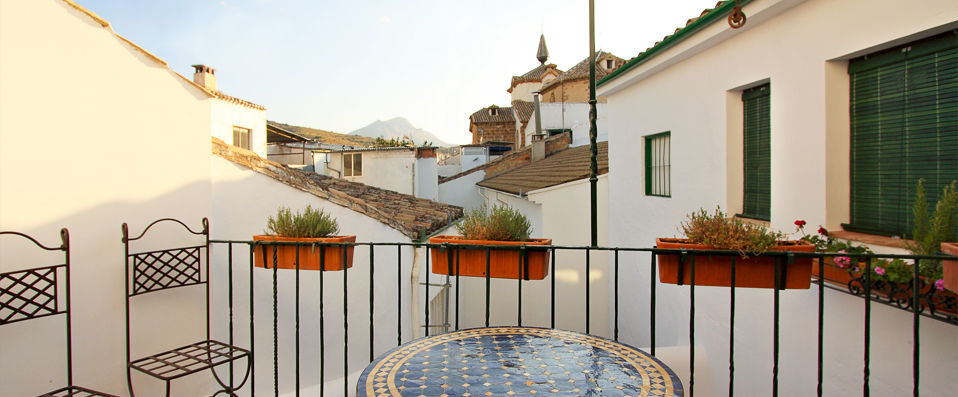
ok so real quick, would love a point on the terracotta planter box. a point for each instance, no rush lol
(950, 268)
(502, 263)
(308, 255)
(751, 272)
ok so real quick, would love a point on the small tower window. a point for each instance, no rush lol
(493, 111)
(609, 63)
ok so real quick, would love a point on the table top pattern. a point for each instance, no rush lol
(516, 361)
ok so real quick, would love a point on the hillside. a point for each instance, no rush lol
(398, 128)
(328, 137)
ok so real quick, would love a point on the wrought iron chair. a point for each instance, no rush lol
(157, 270)
(34, 293)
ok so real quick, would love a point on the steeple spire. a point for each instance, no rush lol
(543, 54)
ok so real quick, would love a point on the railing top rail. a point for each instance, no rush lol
(126, 229)
(64, 239)
(585, 247)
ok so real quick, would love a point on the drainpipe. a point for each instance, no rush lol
(414, 289)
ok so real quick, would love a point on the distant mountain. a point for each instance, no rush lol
(398, 128)
(327, 137)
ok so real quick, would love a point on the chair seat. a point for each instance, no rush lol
(71, 391)
(188, 359)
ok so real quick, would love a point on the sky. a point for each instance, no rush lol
(340, 65)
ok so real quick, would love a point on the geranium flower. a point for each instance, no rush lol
(800, 223)
(842, 261)
(940, 284)
(822, 231)
(880, 270)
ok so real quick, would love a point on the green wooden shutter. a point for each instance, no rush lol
(757, 153)
(904, 126)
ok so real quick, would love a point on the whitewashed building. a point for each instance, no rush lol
(778, 121)
(408, 170)
(236, 121)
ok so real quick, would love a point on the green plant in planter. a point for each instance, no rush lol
(496, 223)
(309, 223)
(728, 233)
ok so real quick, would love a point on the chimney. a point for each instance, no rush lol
(205, 76)
(538, 147)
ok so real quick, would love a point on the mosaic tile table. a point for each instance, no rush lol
(517, 361)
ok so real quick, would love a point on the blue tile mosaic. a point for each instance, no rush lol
(516, 361)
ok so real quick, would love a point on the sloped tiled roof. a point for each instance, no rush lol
(241, 102)
(483, 115)
(564, 166)
(523, 110)
(581, 69)
(411, 216)
(534, 75)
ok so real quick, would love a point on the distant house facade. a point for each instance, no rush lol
(289, 148)
(408, 170)
(236, 121)
(493, 124)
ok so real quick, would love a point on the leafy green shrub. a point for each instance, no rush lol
(929, 232)
(309, 223)
(499, 223)
(728, 233)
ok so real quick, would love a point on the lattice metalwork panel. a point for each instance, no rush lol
(158, 270)
(76, 391)
(188, 359)
(27, 294)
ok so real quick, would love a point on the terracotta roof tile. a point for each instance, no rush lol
(581, 69)
(411, 216)
(485, 115)
(241, 102)
(564, 166)
(523, 110)
(534, 75)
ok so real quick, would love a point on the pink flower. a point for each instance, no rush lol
(880, 270)
(940, 284)
(842, 261)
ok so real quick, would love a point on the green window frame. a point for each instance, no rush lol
(904, 126)
(757, 150)
(658, 164)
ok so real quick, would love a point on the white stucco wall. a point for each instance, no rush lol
(427, 178)
(693, 90)
(575, 116)
(131, 143)
(387, 169)
(224, 115)
(463, 191)
(241, 219)
(523, 91)
(473, 157)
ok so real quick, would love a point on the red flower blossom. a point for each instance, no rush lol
(822, 231)
(800, 223)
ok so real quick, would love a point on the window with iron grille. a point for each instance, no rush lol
(241, 137)
(757, 149)
(353, 164)
(658, 165)
(904, 127)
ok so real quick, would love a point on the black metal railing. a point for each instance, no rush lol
(920, 303)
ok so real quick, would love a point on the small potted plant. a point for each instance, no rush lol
(498, 226)
(311, 227)
(716, 231)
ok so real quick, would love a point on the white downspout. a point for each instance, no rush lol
(414, 299)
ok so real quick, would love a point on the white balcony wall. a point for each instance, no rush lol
(693, 90)
(572, 115)
(130, 139)
(463, 191)
(244, 201)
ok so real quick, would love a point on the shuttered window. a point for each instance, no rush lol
(658, 165)
(757, 153)
(241, 137)
(904, 126)
(353, 164)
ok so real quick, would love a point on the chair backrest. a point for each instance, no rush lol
(157, 270)
(33, 293)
